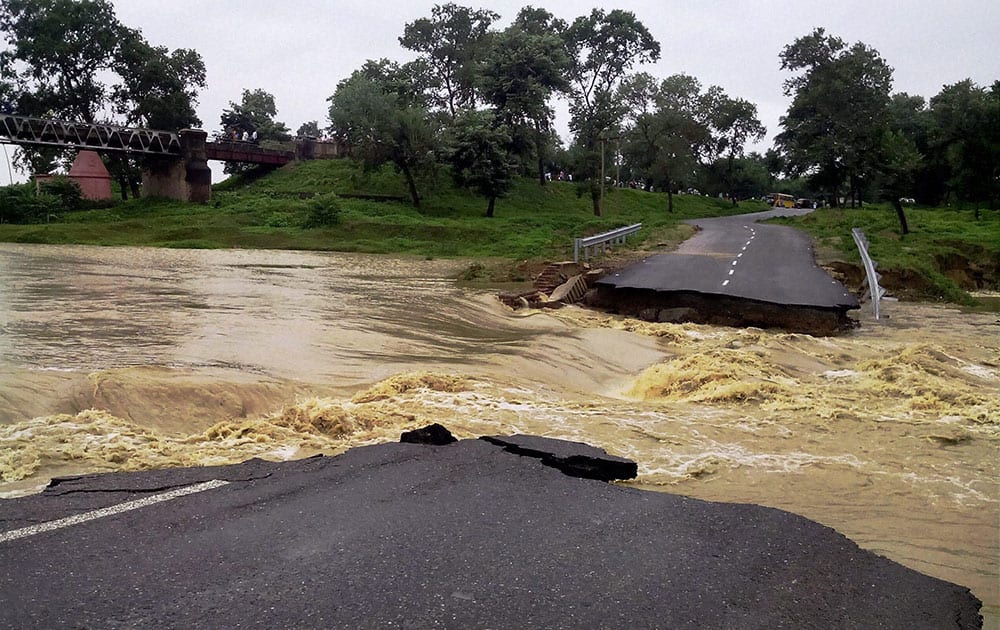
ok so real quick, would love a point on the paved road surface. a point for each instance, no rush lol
(466, 535)
(737, 257)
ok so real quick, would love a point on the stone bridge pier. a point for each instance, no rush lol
(184, 178)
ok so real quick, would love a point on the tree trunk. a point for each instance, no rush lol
(123, 184)
(670, 198)
(902, 217)
(489, 209)
(595, 196)
(541, 170)
(410, 184)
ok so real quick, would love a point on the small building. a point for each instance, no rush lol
(89, 173)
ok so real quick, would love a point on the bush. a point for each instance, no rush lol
(19, 204)
(65, 190)
(324, 211)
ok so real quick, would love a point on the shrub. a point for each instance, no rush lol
(19, 204)
(65, 190)
(324, 211)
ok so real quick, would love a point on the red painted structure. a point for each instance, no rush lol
(89, 173)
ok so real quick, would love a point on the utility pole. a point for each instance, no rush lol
(602, 172)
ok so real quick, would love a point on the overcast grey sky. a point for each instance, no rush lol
(298, 50)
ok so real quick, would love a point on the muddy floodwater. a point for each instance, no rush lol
(132, 358)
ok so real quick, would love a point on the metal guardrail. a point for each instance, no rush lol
(872, 276)
(614, 236)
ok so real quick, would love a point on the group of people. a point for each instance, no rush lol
(561, 176)
(234, 134)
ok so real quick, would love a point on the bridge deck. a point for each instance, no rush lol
(247, 152)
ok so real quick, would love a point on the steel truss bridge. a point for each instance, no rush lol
(29, 131)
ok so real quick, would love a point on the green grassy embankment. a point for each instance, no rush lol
(947, 253)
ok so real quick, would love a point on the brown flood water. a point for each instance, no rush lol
(126, 359)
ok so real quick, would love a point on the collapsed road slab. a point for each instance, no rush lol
(464, 535)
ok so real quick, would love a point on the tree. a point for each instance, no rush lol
(911, 117)
(835, 124)
(735, 123)
(308, 129)
(966, 137)
(480, 156)
(525, 65)
(382, 117)
(899, 161)
(255, 113)
(667, 142)
(158, 90)
(602, 47)
(451, 43)
(62, 48)
(74, 60)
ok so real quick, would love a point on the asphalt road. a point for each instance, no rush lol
(737, 257)
(467, 535)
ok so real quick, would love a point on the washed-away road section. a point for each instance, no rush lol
(736, 272)
(487, 533)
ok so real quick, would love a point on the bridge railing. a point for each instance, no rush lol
(602, 240)
(16, 129)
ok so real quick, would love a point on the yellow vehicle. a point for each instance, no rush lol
(780, 200)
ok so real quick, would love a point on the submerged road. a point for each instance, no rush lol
(474, 534)
(736, 257)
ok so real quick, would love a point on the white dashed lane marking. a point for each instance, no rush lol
(742, 250)
(76, 519)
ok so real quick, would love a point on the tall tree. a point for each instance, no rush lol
(898, 163)
(735, 123)
(666, 143)
(74, 59)
(525, 65)
(480, 156)
(834, 127)
(63, 48)
(451, 43)
(911, 117)
(308, 129)
(966, 136)
(603, 47)
(158, 87)
(382, 117)
(255, 113)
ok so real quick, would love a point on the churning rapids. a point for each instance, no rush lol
(128, 358)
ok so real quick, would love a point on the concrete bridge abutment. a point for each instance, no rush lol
(186, 178)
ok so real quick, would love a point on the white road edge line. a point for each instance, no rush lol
(76, 519)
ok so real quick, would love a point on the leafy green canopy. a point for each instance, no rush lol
(602, 47)
(379, 113)
(73, 59)
(834, 126)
